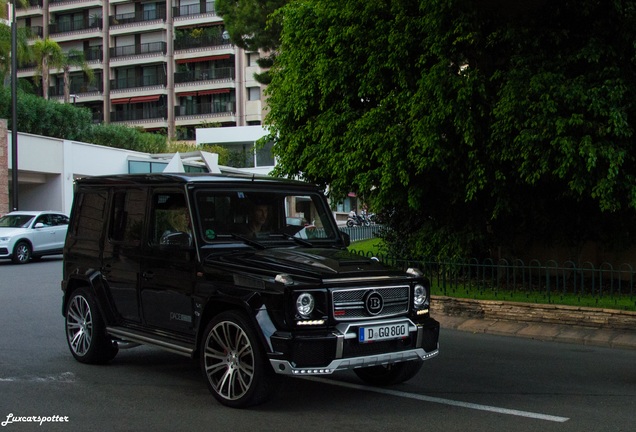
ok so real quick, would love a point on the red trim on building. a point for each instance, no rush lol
(201, 59)
(141, 99)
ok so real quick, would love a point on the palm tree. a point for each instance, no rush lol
(70, 59)
(5, 42)
(48, 54)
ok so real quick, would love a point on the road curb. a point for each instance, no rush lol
(579, 325)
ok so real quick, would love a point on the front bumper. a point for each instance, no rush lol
(323, 354)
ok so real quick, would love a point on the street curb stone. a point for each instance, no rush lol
(570, 324)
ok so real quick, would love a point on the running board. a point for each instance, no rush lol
(174, 346)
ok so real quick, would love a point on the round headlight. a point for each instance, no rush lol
(419, 296)
(305, 304)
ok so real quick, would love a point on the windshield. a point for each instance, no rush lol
(15, 221)
(263, 216)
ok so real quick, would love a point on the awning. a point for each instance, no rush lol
(215, 91)
(119, 101)
(202, 59)
(141, 99)
(184, 94)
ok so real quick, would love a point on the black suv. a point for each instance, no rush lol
(249, 274)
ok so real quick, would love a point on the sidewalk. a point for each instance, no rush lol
(549, 322)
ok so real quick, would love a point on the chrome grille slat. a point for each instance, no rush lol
(348, 303)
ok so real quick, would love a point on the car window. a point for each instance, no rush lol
(170, 219)
(15, 221)
(58, 219)
(127, 216)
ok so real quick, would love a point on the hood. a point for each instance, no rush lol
(309, 262)
(10, 232)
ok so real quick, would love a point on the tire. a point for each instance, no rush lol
(390, 374)
(349, 223)
(21, 253)
(234, 363)
(85, 330)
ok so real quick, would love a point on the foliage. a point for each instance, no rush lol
(250, 23)
(48, 54)
(42, 117)
(474, 126)
(121, 136)
(22, 45)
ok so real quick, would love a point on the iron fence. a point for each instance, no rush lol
(357, 233)
(514, 279)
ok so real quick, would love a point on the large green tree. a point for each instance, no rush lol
(474, 125)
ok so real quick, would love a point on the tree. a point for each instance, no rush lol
(49, 55)
(251, 23)
(68, 60)
(474, 126)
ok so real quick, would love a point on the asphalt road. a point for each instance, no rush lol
(478, 383)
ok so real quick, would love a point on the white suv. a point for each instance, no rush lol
(31, 234)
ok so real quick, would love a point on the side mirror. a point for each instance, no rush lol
(39, 225)
(346, 239)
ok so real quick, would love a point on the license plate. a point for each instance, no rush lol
(383, 332)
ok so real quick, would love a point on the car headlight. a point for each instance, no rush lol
(4, 239)
(305, 305)
(419, 296)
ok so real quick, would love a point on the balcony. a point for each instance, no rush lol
(226, 73)
(184, 42)
(35, 32)
(138, 49)
(138, 17)
(78, 87)
(137, 82)
(136, 114)
(205, 109)
(191, 10)
(75, 25)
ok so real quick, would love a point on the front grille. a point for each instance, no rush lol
(349, 304)
(4, 251)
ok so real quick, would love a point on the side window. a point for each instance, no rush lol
(57, 219)
(127, 216)
(89, 214)
(170, 220)
(44, 220)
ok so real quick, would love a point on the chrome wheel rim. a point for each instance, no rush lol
(229, 360)
(22, 252)
(79, 325)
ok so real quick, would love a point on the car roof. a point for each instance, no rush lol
(188, 178)
(33, 212)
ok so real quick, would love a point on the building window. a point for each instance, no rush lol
(253, 93)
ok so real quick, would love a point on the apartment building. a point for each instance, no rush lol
(158, 65)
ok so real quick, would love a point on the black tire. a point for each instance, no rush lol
(21, 253)
(85, 330)
(234, 363)
(390, 374)
(350, 223)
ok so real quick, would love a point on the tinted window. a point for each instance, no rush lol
(127, 215)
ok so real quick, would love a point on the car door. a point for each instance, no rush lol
(122, 251)
(168, 266)
(43, 233)
(59, 224)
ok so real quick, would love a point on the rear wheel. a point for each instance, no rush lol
(21, 253)
(85, 330)
(234, 363)
(385, 375)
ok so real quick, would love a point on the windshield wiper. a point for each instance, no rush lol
(248, 241)
(297, 240)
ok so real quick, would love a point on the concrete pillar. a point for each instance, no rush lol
(4, 167)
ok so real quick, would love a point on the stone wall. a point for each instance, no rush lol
(529, 312)
(4, 167)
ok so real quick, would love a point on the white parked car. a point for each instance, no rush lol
(32, 234)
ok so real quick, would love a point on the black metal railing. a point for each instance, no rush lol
(77, 87)
(357, 233)
(194, 9)
(137, 17)
(138, 49)
(204, 74)
(189, 42)
(215, 107)
(75, 24)
(146, 113)
(145, 81)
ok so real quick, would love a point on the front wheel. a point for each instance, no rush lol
(21, 253)
(85, 330)
(385, 375)
(349, 223)
(234, 363)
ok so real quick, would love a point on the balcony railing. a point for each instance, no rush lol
(188, 42)
(204, 75)
(146, 81)
(77, 87)
(215, 107)
(194, 9)
(35, 32)
(147, 113)
(31, 4)
(75, 25)
(136, 17)
(138, 49)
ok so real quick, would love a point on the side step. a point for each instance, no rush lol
(168, 344)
